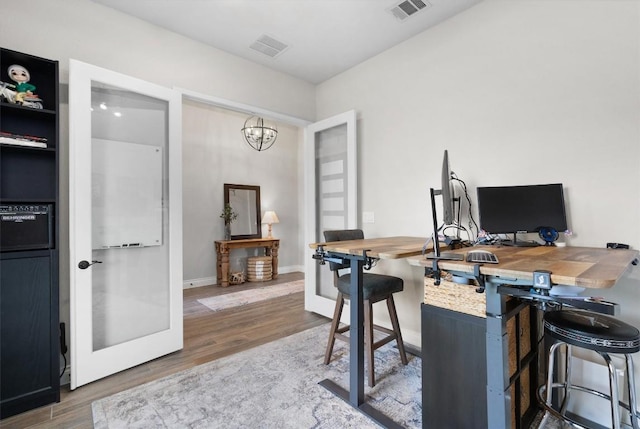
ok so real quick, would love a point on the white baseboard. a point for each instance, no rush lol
(207, 281)
(291, 269)
(412, 338)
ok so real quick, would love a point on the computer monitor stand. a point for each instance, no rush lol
(518, 243)
(437, 254)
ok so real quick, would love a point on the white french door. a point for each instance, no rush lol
(330, 199)
(125, 216)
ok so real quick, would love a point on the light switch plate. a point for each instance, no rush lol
(368, 217)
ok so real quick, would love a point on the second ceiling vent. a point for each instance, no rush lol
(407, 8)
(269, 46)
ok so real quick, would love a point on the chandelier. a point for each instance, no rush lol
(260, 134)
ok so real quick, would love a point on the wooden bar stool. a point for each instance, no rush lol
(592, 331)
(376, 287)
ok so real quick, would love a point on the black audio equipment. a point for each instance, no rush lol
(26, 227)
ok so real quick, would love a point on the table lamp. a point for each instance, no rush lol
(270, 217)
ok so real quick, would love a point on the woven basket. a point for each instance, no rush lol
(455, 297)
(259, 269)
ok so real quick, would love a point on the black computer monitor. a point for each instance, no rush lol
(521, 209)
(447, 192)
(448, 209)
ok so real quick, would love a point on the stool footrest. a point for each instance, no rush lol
(542, 401)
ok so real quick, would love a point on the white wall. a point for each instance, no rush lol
(519, 92)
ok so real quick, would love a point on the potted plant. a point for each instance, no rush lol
(229, 216)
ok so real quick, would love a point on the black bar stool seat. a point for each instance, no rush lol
(592, 331)
(375, 287)
(602, 334)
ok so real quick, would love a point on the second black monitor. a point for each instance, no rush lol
(514, 209)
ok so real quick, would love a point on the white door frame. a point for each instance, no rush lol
(313, 301)
(241, 107)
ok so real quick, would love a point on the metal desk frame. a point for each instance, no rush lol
(355, 395)
(497, 289)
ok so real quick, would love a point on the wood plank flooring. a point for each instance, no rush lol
(207, 336)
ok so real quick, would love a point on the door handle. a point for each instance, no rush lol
(83, 265)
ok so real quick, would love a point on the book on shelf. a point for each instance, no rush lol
(21, 140)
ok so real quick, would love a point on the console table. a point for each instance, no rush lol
(224, 247)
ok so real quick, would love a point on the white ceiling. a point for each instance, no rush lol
(324, 37)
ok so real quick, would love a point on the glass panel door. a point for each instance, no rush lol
(125, 216)
(330, 199)
(129, 194)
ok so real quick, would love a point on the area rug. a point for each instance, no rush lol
(237, 299)
(271, 386)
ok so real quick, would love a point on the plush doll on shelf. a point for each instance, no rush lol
(23, 89)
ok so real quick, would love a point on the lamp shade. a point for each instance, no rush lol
(270, 217)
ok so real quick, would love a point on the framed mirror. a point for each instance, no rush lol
(245, 201)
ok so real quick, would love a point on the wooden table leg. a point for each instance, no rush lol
(222, 265)
(273, 252)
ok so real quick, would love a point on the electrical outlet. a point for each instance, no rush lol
(368, 217)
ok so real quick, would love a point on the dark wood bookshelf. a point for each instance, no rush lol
(29, 280)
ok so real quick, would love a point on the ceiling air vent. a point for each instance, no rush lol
(407, 8)
(269, 46)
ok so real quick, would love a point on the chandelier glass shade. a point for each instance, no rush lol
(260, 134)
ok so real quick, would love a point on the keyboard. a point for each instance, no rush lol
(482, 256)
